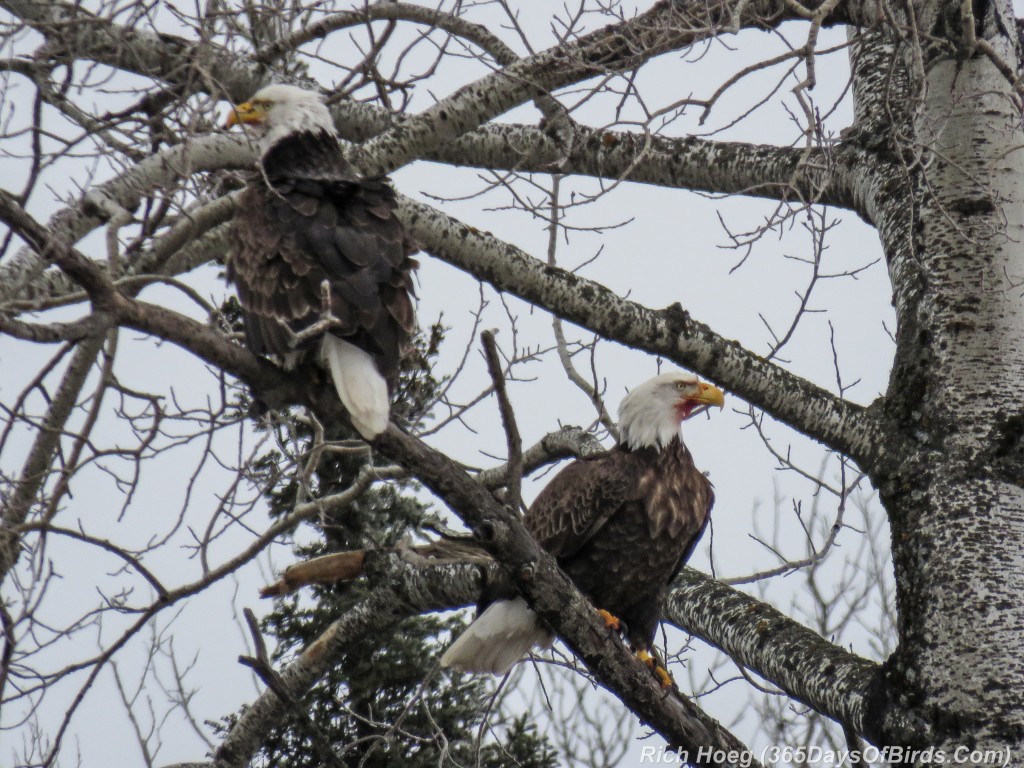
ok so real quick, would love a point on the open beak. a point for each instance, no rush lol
(247, 112)
(707, 396)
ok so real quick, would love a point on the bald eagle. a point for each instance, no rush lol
(620, 525)
(319, 250)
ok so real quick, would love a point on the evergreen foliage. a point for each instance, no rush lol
(385, 703)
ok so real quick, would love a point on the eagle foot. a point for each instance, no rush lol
(326, 321)
(654, 664)
(664, 677)
(610, 621)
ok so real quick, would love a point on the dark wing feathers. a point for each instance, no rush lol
(677, 500)
(580, 500)
(622, 525)
(694, 540)
(308, 219)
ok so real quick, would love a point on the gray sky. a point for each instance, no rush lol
(671, 250)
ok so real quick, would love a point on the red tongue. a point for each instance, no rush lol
(688, 409)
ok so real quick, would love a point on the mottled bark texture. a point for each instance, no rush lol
(953, 239)
(813, 671)
(556, 600)
(934, 162)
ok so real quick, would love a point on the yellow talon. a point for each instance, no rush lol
(665, 677)
(610, 621)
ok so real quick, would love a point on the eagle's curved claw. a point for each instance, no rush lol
(654, 664)
(610, 621)
(664, 677)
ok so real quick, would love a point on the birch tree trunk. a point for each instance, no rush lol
(955, 501)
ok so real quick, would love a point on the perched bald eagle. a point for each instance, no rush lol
(316, 244)
(620, 525)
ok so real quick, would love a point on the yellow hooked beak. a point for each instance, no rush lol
(693, 403)
(709, 394)
(249, 112)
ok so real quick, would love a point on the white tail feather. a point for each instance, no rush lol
(363, 391)
(499, 637)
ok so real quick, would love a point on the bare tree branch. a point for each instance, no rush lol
(558, 602)
(670, 332)
(833, 681)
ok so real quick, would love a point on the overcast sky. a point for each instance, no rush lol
(669, 250)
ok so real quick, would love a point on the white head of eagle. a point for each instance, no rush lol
(649, 416)
(320, 259)
(280, 110)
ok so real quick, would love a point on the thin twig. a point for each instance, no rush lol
(508, 420)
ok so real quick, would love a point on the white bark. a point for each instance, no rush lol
(963, 621)
(939, 175)
(670, 332)
(952, 223)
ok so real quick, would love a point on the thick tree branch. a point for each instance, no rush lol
(809, 668)
(53, 250)
(188, 66)
(52, 333)
(406, 591)
(554, 597)
(839, 176)
(615, 48)
(670, 332)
